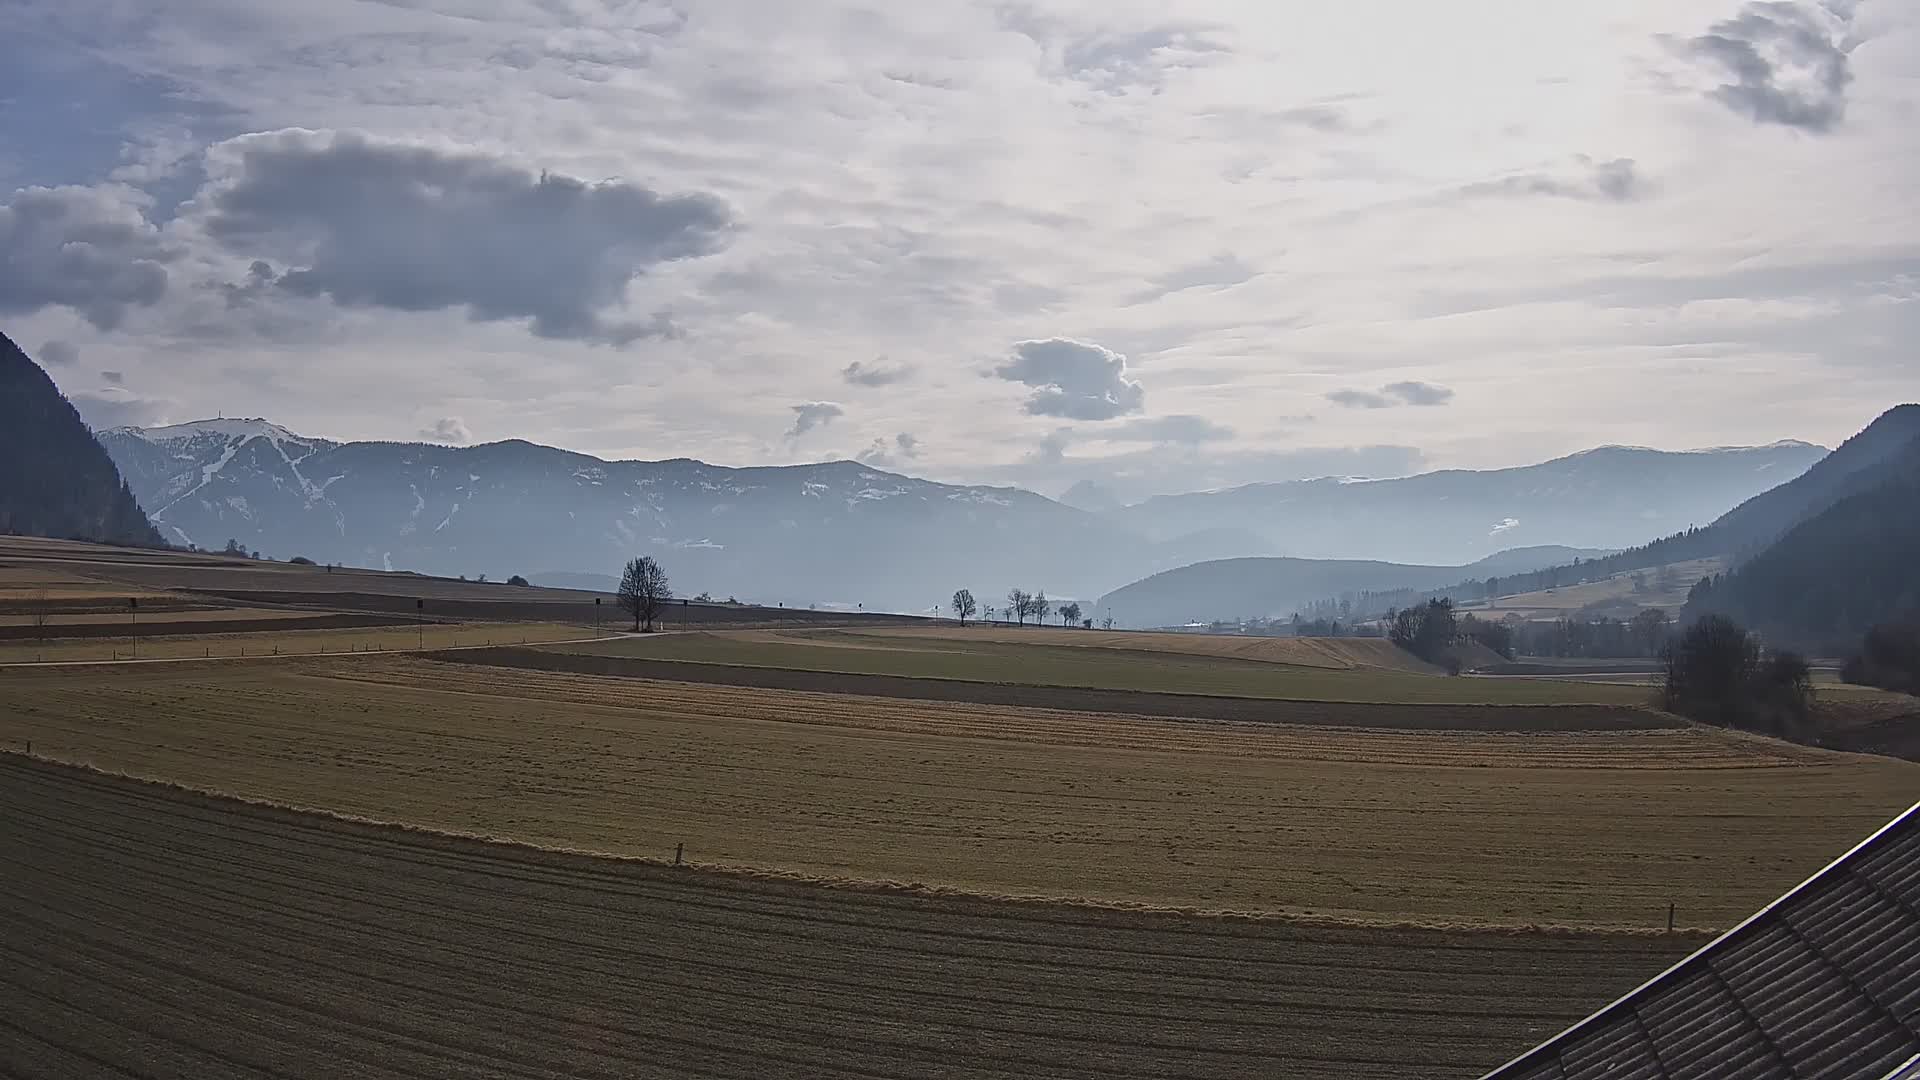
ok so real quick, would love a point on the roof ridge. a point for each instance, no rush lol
(1625, 1003)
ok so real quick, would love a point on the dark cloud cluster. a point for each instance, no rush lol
(1592, 181)
(1391, 395)
(83, 248)
(813, 414)
(413, 228)
(877, 373)
(1074, 380)
(1788, 62)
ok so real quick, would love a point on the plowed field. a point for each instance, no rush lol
(1152, 663)
(1490, 828)
(149, 932)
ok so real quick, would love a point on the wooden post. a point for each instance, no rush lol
(1669, 918)
(29, 747)
(678, 850)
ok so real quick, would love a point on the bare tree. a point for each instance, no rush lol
(1019, 604)
(964, 605)
(644, 591)
(1069, 613)
(1040, 607)
(41, 612)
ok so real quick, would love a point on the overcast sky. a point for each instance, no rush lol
(1035, 243)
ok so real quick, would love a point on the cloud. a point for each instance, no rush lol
(1073, 379)
(887, 454)
(115, 406)
(58, 353)
(447, 429)
(813, 414)
(1618, 180)
(1179, 428)
(1787, 61)
(1418, 393)
(878, 373)
(1359, 399)
(1391, 395)
(375, 223)
(89, 249)
(114, 378)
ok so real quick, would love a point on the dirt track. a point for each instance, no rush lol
(149, 932)
(1536, 718)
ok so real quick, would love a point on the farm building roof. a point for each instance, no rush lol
(1823, 982)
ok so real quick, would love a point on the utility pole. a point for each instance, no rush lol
(420, 620)
(133, 611)
(596, 616)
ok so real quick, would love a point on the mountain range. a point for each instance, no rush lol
(1608, 497)
(845, 533)
(1838, 551)
(1817, 558)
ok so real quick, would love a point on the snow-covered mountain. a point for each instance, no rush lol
(841, 532)
(836, 532)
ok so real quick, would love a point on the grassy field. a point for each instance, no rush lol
(1615, 594)
(283, 642)
(1160, 663)
(1588, 829)
(154, 932)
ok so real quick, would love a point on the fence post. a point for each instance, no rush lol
(678, 850)
(1669, 918)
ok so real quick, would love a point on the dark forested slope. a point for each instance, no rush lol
(55, 480)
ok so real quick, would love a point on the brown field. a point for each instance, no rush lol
(585, 658)
(1488, 828)
(284, 641)
(1343, 654)
(155, 932)
(1096, 660)
(110, 574)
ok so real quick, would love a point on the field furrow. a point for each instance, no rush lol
(1578, 828)
(155, 932)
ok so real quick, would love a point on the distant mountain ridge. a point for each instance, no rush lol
(1607, 497)
(828, 533)
(835, 532)
(1865, 471)
(1231, 589)
(55, 479)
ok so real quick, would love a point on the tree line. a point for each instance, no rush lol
(1021, 606)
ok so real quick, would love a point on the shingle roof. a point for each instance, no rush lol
(1823, 982)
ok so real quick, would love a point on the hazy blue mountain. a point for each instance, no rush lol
(1227, 589)
(828, 533)
(1611, 497)
(1881, 451)
(831, 533)
(55, 480)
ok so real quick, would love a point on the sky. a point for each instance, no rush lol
(1053, 243)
